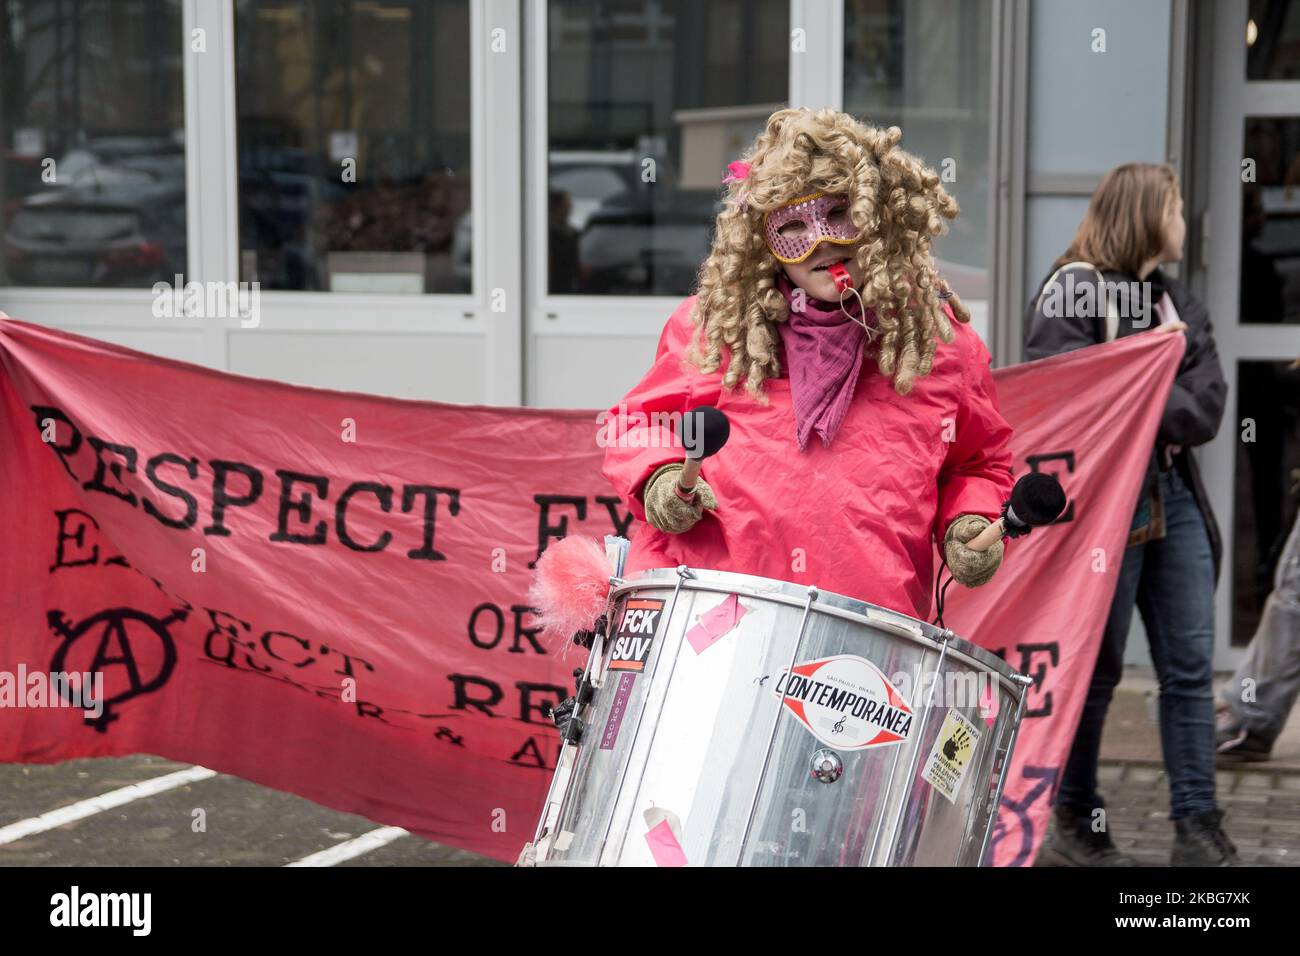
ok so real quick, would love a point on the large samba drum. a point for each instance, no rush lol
(731, 720)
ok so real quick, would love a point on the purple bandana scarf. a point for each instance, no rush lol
(824, 355)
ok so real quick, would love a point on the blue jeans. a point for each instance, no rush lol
(1171, 581)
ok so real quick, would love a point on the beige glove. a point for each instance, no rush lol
(971, 568)
(665, 510)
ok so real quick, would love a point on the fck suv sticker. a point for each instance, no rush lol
(636, 634)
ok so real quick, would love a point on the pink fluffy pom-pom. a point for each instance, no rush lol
(569, 589)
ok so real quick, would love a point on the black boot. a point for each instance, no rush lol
(1072, 841)
(1200, 841)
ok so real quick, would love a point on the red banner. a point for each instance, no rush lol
(325, 592)
(1090, 418)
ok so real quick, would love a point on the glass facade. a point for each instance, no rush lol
(924, 66)
(647, 103)
(1273, 40)
(354, 145)
(92, 143)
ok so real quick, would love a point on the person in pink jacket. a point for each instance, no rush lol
(819, 313)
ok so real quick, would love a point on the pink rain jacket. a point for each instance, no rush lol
(859, 518)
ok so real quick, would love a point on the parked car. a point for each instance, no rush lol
(131, 236)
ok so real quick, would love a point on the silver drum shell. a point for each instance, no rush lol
(705, 741)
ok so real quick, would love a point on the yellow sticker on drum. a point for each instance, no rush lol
(846, 702)
(946, 766)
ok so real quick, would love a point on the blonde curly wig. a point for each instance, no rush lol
(896, 201)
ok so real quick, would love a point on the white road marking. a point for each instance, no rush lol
(352, 848)
(105, 801)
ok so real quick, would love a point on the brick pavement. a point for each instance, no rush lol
(1262, 812)
(1261, 801)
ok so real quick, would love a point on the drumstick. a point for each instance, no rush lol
(703, 430)
(1037, 499)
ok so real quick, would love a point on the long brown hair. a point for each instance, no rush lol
(1124, 227)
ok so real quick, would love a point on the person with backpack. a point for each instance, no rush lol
(1107, 285)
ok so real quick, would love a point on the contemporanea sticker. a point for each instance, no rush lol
(946, 766)
(636, 634)
(846, 702)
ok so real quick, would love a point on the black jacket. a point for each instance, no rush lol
(1199, 393)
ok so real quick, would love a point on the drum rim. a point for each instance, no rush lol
(838, 605)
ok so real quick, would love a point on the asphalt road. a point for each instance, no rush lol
(244, 824)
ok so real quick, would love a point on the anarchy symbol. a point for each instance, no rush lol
(112, 632)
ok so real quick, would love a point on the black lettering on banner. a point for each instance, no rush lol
(619, 517)
(497, 616)
(445, 733)
(530, 755)
(383, 493)
(128, 456)
(553, 695)
(430, 493)
(347, 662)
(180, 601)
(229, 633)
(1039, 674)
(191, 503)
(1033, 461)
(546, 531)
(46, 412)
(302, 506)
(527, 633)
(367, 709)
(1047, 778)
(78, 537)
(223, 499)
(301, 642)
(463, 683)
(487, 639)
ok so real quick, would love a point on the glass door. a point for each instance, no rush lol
(634, 108)
(1253, 466)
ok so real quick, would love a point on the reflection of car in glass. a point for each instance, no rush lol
(133, 236)
(646, 243)
(114, 215)
(121, 160)
(591, 178)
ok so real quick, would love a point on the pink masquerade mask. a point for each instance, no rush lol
(794, 230)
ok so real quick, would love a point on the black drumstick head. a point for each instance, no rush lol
(1037, 499)
(703, 431)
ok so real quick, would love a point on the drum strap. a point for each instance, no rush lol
(940, 593)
